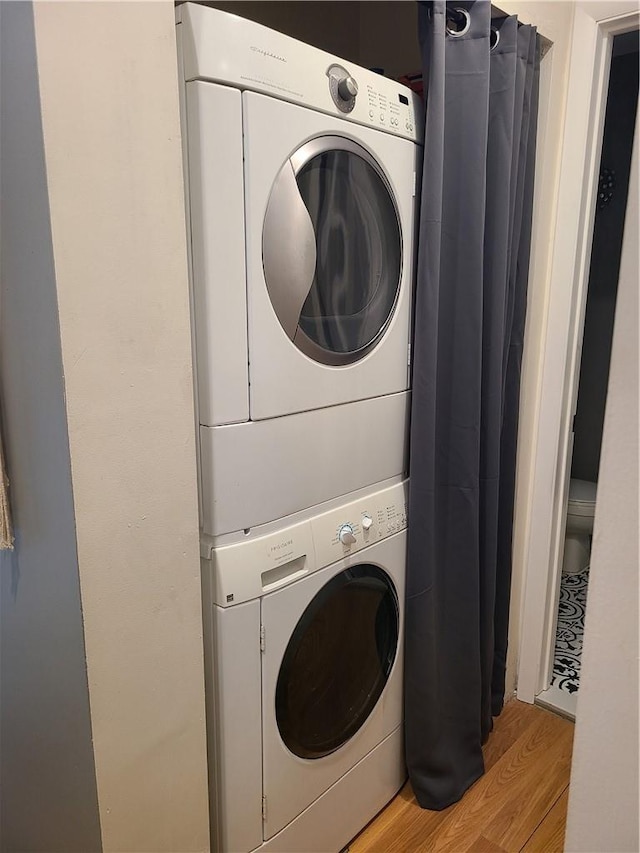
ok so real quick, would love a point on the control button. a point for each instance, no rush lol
(347, 88)
(367, 521)
(345, 535)
(381, 117)
(370, 113)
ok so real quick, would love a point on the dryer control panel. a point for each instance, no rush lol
(247, 570)
(225, 48)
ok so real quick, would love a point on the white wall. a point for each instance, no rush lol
(108, 87)
(604, 792)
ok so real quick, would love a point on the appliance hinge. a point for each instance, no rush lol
(415, 180)
(262, 638)
(264, 807)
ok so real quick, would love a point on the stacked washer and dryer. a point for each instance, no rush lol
(301, 194)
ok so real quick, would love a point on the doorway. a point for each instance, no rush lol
(608, 229)
(598, 41)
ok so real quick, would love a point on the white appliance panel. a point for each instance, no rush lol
(250, 569)
(235, 770)
(223, 47)
(281, 432)
(260, 471)
(216, 191)
(283, 380)
(290, 782)
(340, 813)
(256, 783)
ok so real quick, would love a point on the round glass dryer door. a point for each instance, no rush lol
(337, 661)
(332, 250)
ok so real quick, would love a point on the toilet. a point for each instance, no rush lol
(580, 512)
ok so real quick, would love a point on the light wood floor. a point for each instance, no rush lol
(520, 804)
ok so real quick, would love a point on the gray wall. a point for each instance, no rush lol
(47, 775)
(605, 264)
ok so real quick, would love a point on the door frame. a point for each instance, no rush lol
(594, 27)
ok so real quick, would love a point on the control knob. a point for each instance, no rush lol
(367, 521)
(347, 88)
(345, 535)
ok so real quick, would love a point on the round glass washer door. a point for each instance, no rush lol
(332, 250)
(337, 661)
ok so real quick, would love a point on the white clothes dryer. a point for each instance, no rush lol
(303, 638)
(301, 201)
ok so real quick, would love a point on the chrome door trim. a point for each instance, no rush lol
(288, 250)
(332, 358)
(314, 147)
(289, 269)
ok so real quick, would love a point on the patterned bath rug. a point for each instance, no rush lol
(573, 599)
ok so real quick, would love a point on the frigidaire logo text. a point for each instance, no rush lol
(268, 54)
(282, 545)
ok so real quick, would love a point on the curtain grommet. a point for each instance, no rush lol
(495, 34)
(464, 28)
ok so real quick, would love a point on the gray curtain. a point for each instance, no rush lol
(477, 189)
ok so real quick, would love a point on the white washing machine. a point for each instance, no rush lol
(301, 200)
(303, 639)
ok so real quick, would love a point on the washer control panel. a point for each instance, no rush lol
(247, 570)
(347, 530)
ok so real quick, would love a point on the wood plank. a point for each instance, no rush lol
(549, 836)
(403, 825)
(527, 803)
(512, 722)
(483, 845)
(526, 752)
(506, 783)
(400, 827)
